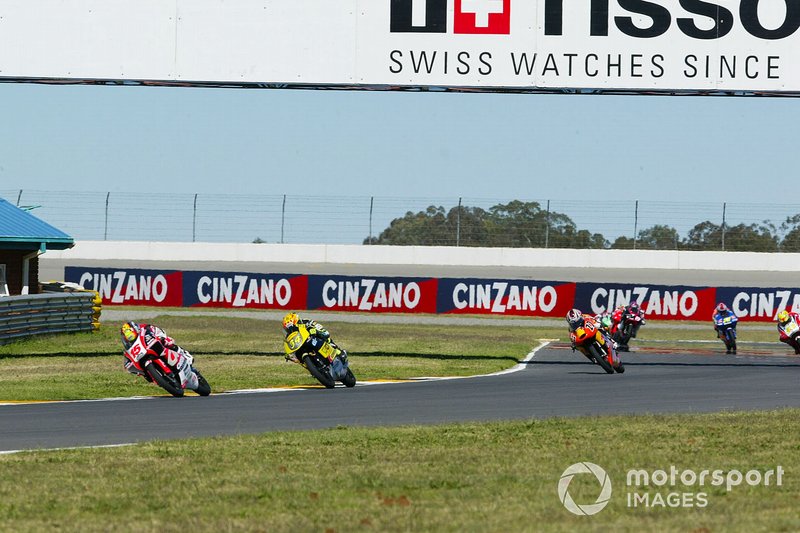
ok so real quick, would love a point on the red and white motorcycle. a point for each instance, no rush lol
(169, 369)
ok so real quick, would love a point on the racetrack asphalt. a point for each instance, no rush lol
(556, 382)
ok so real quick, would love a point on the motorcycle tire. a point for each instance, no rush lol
(167, 383)
(349, 379)
(203, 388)
(320, 375)
(600, 359)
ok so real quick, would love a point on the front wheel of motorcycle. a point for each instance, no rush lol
(349, 379)
(165, 381)
(203, 388)
(599, 355)
(319, 374)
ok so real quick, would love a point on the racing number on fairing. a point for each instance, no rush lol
(295, 341)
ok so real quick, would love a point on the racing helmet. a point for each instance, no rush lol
(129, 331)
(575, 318)
(783, 317)
(634, 308)
(290, 322)
(722, 308)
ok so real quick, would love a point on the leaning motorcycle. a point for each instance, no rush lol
(726, 329)
(592, 343)
(323, 360)
(169, 369)
(627, 330)
(792, 331)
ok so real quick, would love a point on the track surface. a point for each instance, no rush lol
(556, 382)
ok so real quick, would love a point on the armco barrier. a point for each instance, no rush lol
(245, 290)
(37, 314)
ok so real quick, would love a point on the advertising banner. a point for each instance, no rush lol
(476, 296)
(661, 302)
(244, 290)
(504, 297)
(130, 286)
(614, 45)
(376, 295)
(759, 304)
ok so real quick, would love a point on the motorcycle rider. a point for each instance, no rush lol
(156, 339)
(784, 317)
(721, 312)
(576, 319)
(621, 314)
(315, 330)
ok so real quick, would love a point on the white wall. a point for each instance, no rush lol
(666, 267)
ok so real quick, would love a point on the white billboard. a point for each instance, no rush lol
(610, 45)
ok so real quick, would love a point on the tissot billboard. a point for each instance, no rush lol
(688, 45)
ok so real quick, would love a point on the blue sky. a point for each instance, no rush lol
(395, 144)
(402, 145)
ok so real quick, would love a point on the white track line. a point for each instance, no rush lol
(9, 452)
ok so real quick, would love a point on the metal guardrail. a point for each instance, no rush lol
(39, 314)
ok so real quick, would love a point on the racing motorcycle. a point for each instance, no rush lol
(591, 342)
(726, 329)
(169, 369)
(627, 330)
(792, 332)
(326, 362)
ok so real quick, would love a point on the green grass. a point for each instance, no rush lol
(240, 353)
(466, 477)
(237, 353)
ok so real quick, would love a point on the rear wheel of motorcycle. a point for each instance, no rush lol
(320, 375)
(166, 382)
(600, 356)
(203, 388)
(349, 379)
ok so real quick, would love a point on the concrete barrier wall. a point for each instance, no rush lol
(620, 266)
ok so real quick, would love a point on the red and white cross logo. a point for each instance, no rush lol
(482, 16)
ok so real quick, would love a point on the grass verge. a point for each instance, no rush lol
(465, 477)
(237, 353)
(241, 353)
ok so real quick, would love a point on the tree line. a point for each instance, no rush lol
(520, 224)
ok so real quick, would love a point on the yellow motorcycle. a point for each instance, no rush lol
(323, 359)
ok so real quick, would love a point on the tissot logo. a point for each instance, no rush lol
(469, 16)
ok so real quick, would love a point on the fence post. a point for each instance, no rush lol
(635, 223)
(723, 225)
(458, 224)
(547, 227)
(105, 231)
(19, 197)
(283, 216)
(371, 202)
(194, 218)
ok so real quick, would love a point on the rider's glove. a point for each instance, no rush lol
(573, 346)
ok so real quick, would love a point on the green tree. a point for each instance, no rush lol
(658, 237)
(704, 236)
(791, 234)
(751, 238)
(515, 224)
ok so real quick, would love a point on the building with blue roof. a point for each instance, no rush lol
(23, 238)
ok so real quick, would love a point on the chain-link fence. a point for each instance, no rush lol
(152, 216)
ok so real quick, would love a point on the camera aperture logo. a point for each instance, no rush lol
(586, 509)
(669, 487)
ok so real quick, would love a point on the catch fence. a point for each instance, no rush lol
(303, 219)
